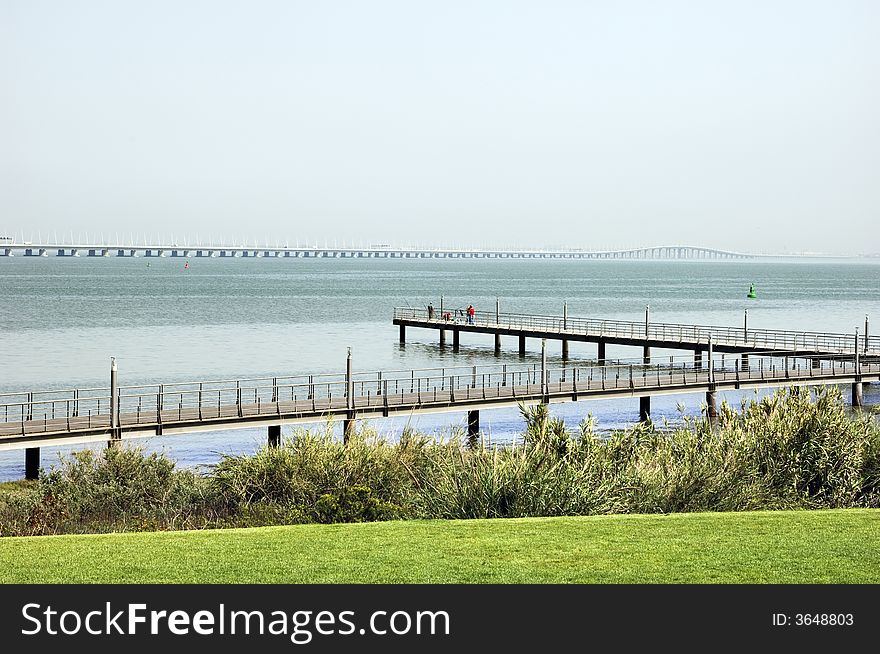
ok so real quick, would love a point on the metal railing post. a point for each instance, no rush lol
(544, 392)
(858, 361)
(711, 362)
(114, 401)
(160, 399)
(349, 387)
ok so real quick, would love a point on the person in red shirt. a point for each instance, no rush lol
(470, 313)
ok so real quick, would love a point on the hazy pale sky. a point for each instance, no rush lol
(746, 125)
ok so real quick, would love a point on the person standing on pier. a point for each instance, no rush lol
(430, 311)
(470, 314)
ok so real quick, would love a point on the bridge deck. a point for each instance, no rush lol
(105, 249)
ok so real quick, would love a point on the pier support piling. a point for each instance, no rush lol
(348, 425)
(403, 333)
(564, 348)
(857, 396)
(455, 339)
(711, 406)
(522, 345)
(442, 337)
(645, 408)
(473, 428)
(497, 343)
(600, 352)
(646, 355)
(32, 463)
(274, 435)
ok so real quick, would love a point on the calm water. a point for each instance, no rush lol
(62, 319)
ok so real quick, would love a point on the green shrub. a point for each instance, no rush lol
(307, 465)
(116, 489)
(353, 504)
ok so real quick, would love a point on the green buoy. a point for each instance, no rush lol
(752, 294)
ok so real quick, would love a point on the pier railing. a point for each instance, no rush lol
(69, 411)
(754, 339)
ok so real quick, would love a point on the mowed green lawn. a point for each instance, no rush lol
(840, 546)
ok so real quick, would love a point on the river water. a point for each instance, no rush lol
(61, 319)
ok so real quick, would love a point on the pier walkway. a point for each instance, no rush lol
(645, 333)
(29, 420)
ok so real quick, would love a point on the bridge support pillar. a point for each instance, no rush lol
(645, 408)
(564, 348)
(646, 355)
(274, 435)
(711, 406)
(497, 343)
(698, 359)
(403, 333)
(600, 354)
(857, 397)
(473, 432)
(32, 463)
(522, 345)
(442, 337)
(455, 339)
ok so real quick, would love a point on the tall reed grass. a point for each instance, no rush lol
(784, 451)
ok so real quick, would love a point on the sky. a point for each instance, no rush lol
(747, 125)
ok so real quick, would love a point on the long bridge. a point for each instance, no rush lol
(29, 420)
(9, 247)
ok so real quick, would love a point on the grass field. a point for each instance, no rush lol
(832, 546)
